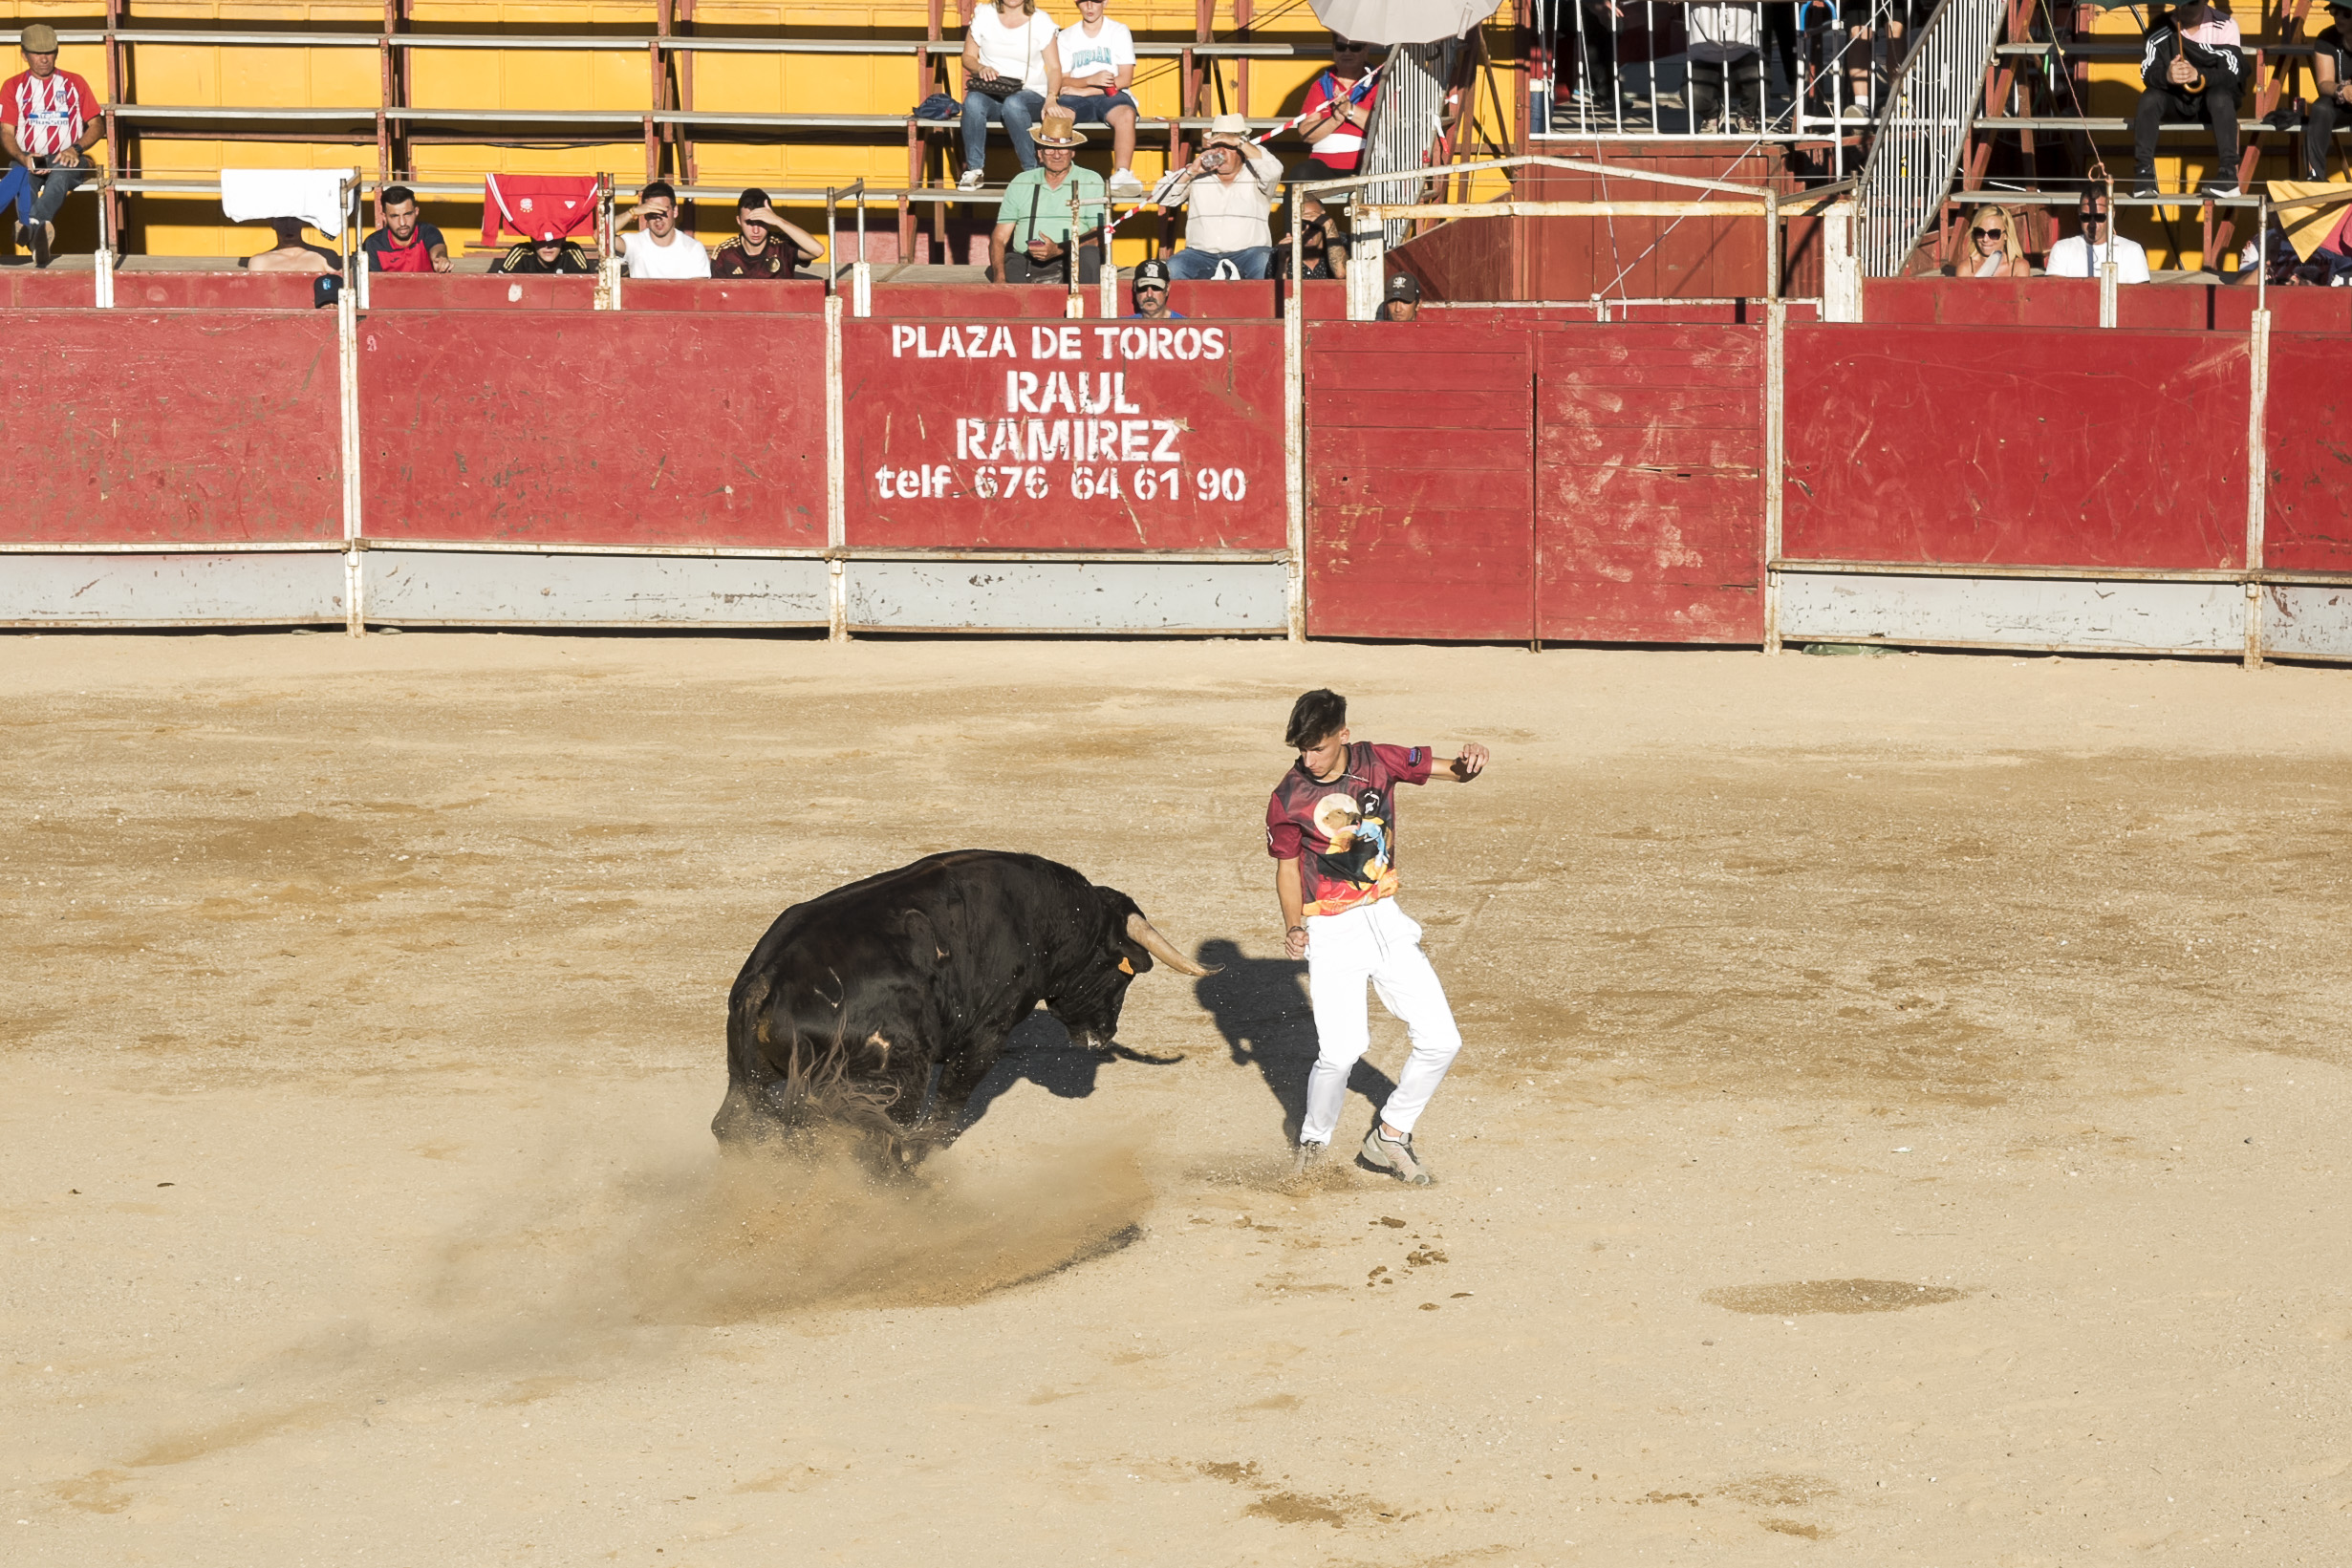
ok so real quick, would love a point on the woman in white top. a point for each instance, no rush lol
(1007, 43)
(657, 249)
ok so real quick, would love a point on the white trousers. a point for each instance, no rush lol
(1380, 943)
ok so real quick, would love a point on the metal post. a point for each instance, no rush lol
(1109, 282)
(608, 264)
(104, 264)
(2257, 476)
(1294, 437)
(861, 276)
(1776, 360)
(2107, 269)
(347, 366)
(832, 244)
(1772, 243)
(837, 521)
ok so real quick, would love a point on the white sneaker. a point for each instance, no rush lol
(971, 179)
(1125, 186)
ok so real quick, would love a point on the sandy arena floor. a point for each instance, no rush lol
(1904, 1117)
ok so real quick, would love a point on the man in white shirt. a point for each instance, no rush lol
(1097, 59)
(1225, 193)
(2083, 255)
(657, 249)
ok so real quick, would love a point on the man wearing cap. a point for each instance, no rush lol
(1226, 193)
(1151, 287)
(766, 246)
(1403, 300)
(49, 120)
(1097, 59)
(2331, 74)
(546, 251)
(1050, 209)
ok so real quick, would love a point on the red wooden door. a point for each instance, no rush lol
(1419, 519)
(1649, 484)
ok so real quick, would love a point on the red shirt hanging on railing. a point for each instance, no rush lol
(48, 113)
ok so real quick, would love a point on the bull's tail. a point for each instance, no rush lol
(778, 1089)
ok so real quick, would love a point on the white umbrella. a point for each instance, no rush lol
(1404, 21)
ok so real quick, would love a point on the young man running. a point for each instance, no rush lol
(1331, 830)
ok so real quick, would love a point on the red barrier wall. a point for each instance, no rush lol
(132, 425)
(1649, 484)
(597, 428)
(1420, 502)
(2016, 447)
(2074, 302)
(2307, 514)
(1078, 435)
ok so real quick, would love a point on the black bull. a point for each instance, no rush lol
(850, 999)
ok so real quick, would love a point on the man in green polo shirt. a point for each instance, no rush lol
(1032, 239)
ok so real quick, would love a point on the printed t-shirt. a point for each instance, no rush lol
(1018, 52)
(1343, 148)
(1037, 210)
(386, 254)
(780, 260)
(1113, 47)
(49, 113)
(681, 258)
(1343, 833)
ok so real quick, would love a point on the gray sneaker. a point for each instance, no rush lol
(1310, 1158)
(1396, 1158)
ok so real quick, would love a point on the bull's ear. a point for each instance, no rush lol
(925, 946)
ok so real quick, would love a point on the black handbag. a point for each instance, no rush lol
(998, 88)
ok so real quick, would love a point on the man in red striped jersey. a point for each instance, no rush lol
(49, 120)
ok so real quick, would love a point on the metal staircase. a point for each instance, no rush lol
(1930, 113)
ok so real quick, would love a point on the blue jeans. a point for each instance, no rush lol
(1016, 113)
(50, 186)
(1193, 266)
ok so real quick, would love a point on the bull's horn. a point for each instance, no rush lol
(1140, 932)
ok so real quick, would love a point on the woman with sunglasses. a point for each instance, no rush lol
(1990, 247)
(1335, 113)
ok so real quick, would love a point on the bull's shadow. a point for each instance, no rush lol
(1041, 1052)
(1262, 1008)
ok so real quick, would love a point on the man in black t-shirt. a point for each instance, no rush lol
(768, 247)
(550, 252)
(2331, 71)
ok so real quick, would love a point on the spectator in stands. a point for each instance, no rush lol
(2192, 69)
(548, 252)
(292, 253)
(1011, 70)
(1887, 18)
(1097, 59)
(405, 244)
(49, 120)
(767, 244)
(1152, 292)
(1727, 68)
(657, 249)
(1337, 107)
(1989, 248)
(1226, 192)
(1053, 209)
(2085, 255)
(1403, 300)
(2331, 74)
(1323, 244)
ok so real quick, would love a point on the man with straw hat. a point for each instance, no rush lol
(1226, 192)
(1050, 210)
(49, 120)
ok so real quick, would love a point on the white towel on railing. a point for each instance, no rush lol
(250, 196)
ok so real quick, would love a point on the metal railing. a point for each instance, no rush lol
(1920, 138)
(1775, 72)
(1408, 116)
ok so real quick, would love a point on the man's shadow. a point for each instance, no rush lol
(1041, 1052)
(1262, 1008)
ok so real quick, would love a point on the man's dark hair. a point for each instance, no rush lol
(1316, 717)
(755, 197)
(657, 187)
(394, 196)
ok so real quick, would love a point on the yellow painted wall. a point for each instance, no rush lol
(883, 83)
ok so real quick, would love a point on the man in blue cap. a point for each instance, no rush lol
(1151, 287)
